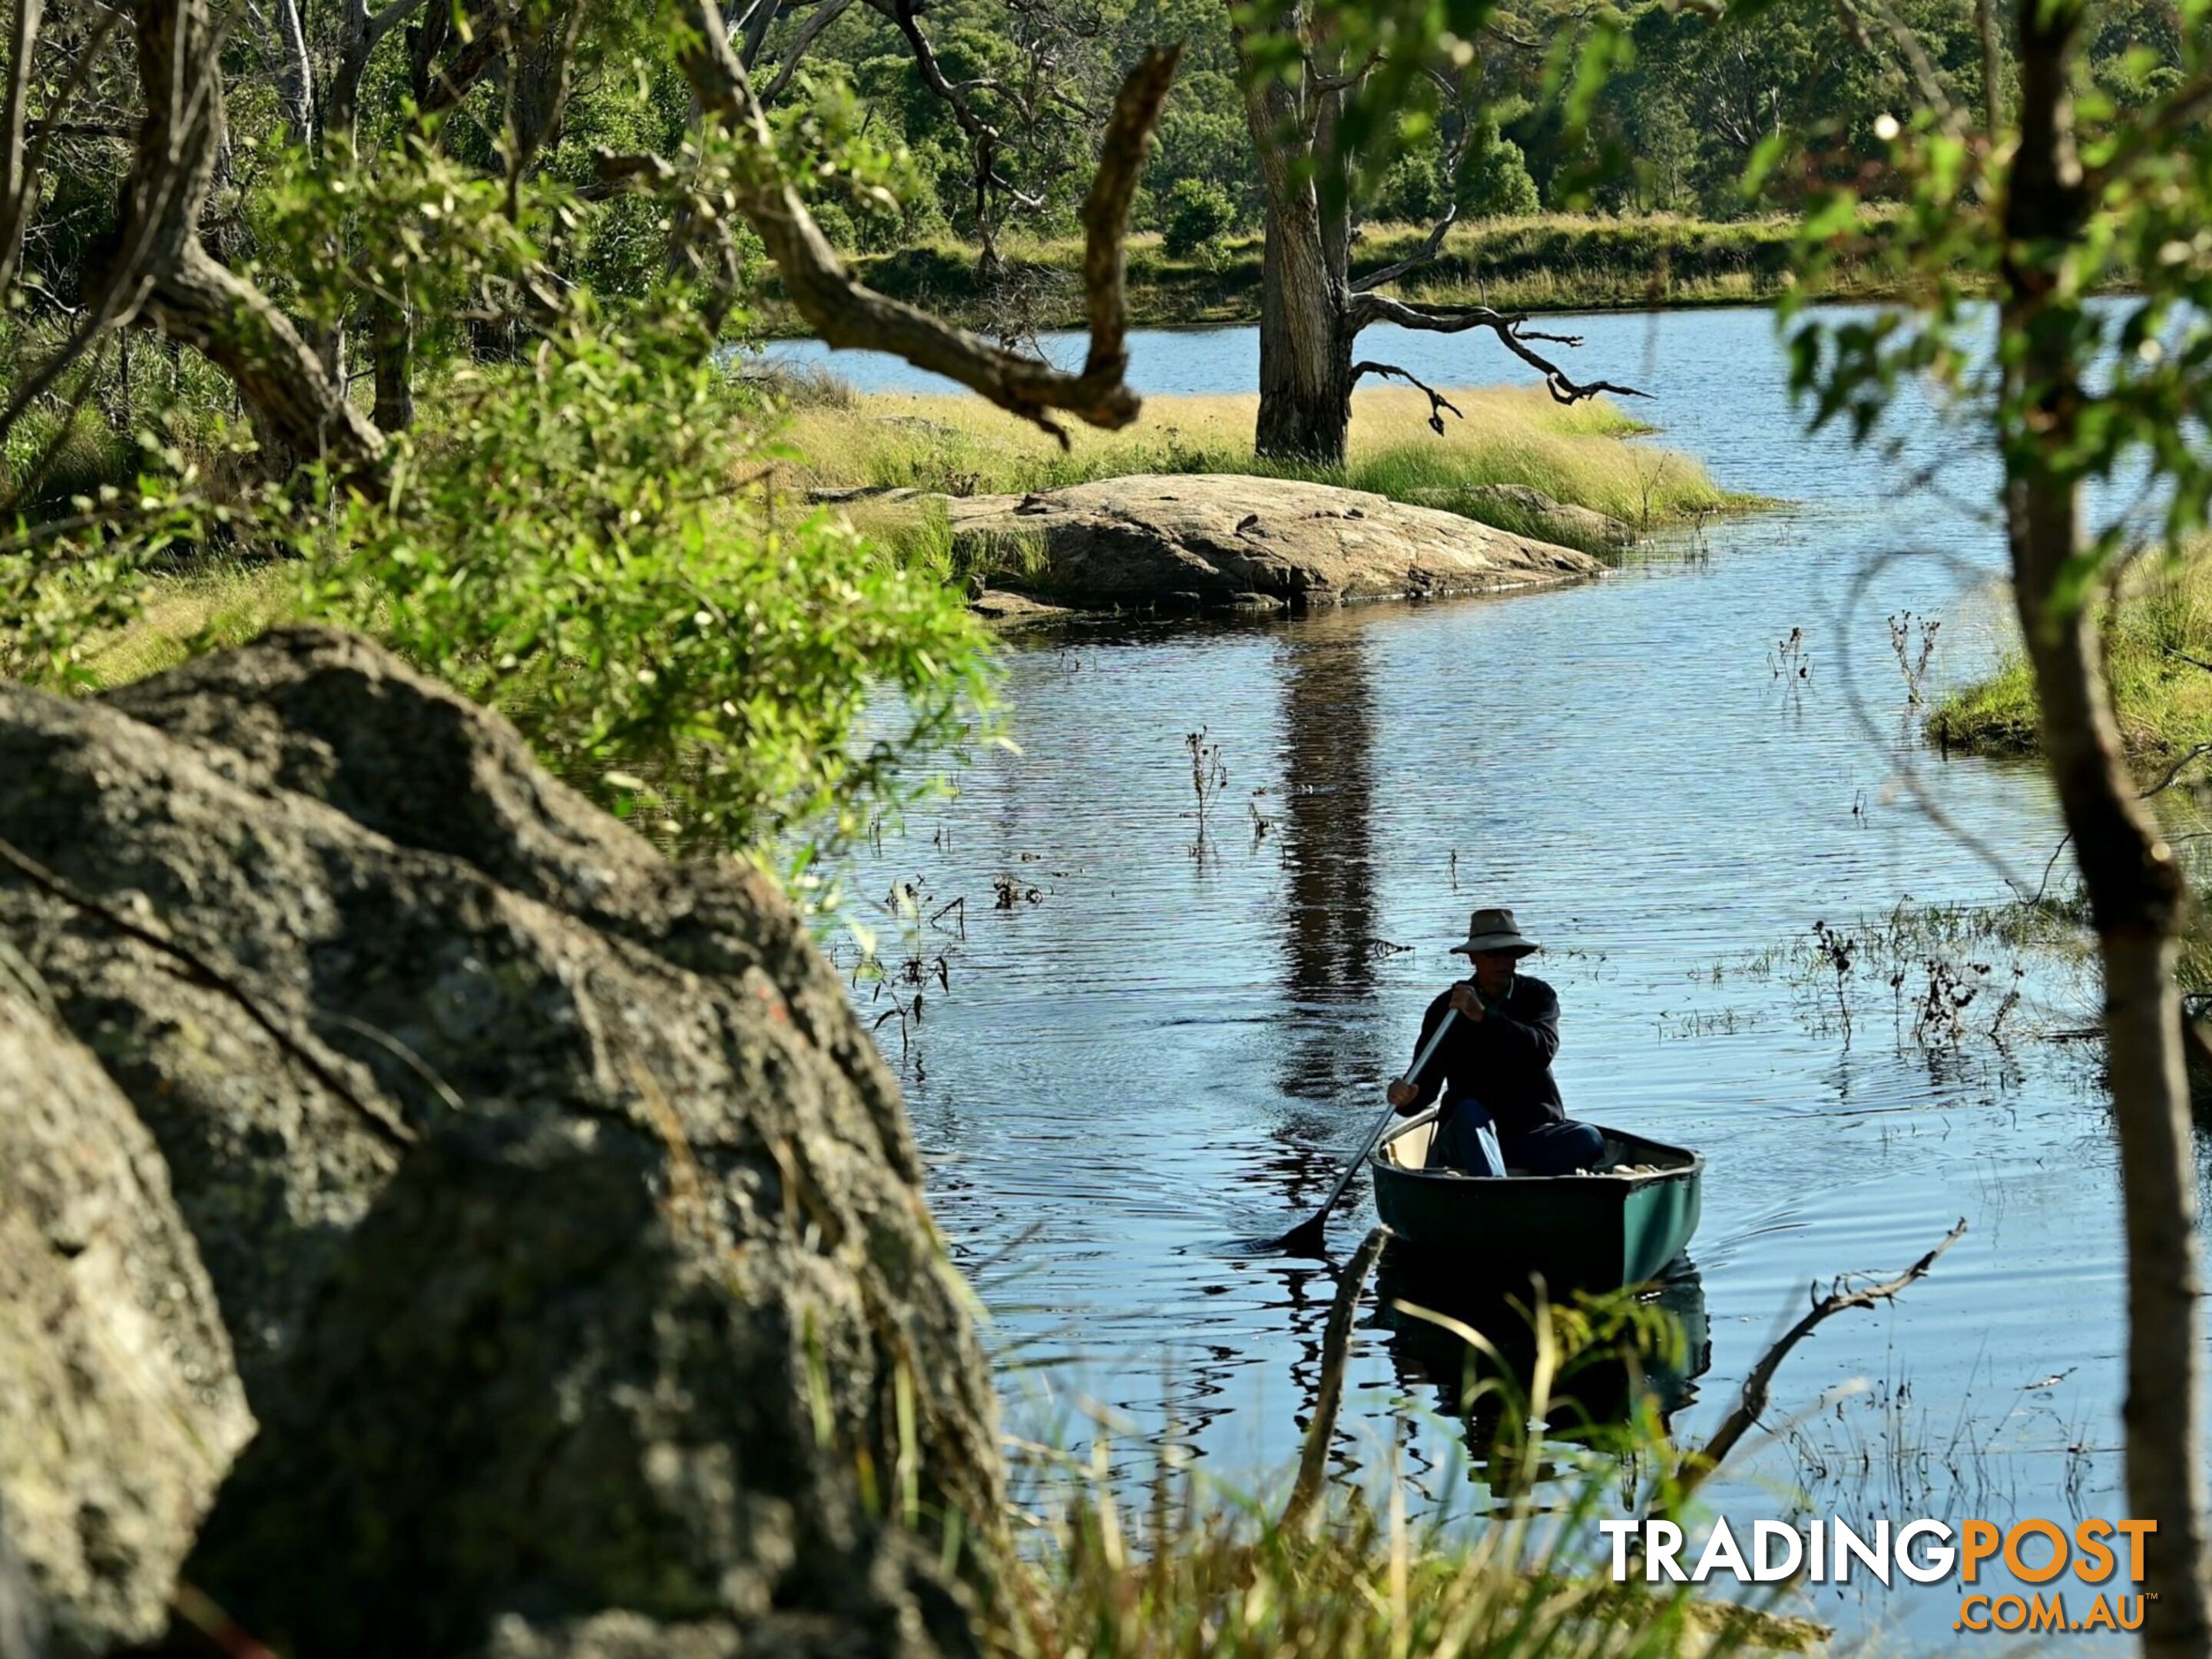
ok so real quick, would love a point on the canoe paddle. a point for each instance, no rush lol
(1308, 1238)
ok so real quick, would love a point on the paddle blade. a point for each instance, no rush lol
(1308, 1237)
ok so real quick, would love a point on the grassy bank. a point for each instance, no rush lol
(1551, 261)
(1586, 454)
(2158, 637)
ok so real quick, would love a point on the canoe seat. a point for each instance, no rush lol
(1410, 1150)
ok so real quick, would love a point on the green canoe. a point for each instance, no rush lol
(1580, 1231)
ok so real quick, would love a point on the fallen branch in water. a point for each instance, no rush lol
(1758, 1387)
(1336, 1343)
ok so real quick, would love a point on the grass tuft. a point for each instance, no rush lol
(213, 606)
(2158, 655)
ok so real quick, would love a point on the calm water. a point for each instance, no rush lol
(1169, 1049)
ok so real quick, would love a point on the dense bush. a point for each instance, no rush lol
(1198, 212)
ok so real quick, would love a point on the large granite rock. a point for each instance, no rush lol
(120, 1407)
(1222, 541)
(601, 1281)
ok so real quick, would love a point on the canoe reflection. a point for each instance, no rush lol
(1651, 1345)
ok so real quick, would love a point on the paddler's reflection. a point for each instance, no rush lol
(1614, 1357)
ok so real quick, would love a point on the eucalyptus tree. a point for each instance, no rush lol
(1026, 85)
(1331, 91)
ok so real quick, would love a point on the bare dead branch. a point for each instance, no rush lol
(1438, 402)
(1336, 1344)
(849, 314)
(1757, 1386)
(1322, 85)
(388, 1127)
(1509, 327)
(982, 137)
(443, 88)
(1431, 247)
(2174, 771)
(787, 65)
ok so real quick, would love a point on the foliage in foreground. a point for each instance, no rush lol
(577, 550)
(582, 542)
(1193, 1570)
(1224, 1582)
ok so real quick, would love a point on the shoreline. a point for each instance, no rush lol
(1547, 264)
(787, 328)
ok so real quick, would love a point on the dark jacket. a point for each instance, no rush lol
(1503, 1060)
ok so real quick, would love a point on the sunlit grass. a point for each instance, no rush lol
(2158, 639)
(1588, 454)
(185, 615)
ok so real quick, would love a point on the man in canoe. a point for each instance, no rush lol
(1494, 1066)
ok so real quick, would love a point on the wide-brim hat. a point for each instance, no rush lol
(1493, 930)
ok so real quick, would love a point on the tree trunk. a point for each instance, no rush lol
(393, 344)
(1305, 350)
(301, 410)
(1306, 297)
(2136, 892)
(2136, 898)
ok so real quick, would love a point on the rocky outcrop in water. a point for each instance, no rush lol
(566, 1226)
(120, 1407)
(1225, 542)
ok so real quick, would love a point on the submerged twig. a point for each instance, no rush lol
(1758, 1387)
(1336, 1342)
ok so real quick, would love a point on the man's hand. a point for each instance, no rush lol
(1402, 1094)
(1467, 1001)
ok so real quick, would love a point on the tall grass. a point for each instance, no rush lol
(1585, 455)
(1186, 1578)
(1196, 1572)
(2158, 642)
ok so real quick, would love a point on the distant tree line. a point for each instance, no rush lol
(1674, 128)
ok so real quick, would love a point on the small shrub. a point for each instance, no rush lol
(1199, 211)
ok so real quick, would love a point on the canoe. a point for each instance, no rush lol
(1599, 1231)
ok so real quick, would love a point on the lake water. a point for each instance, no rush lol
(1169, 1047)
